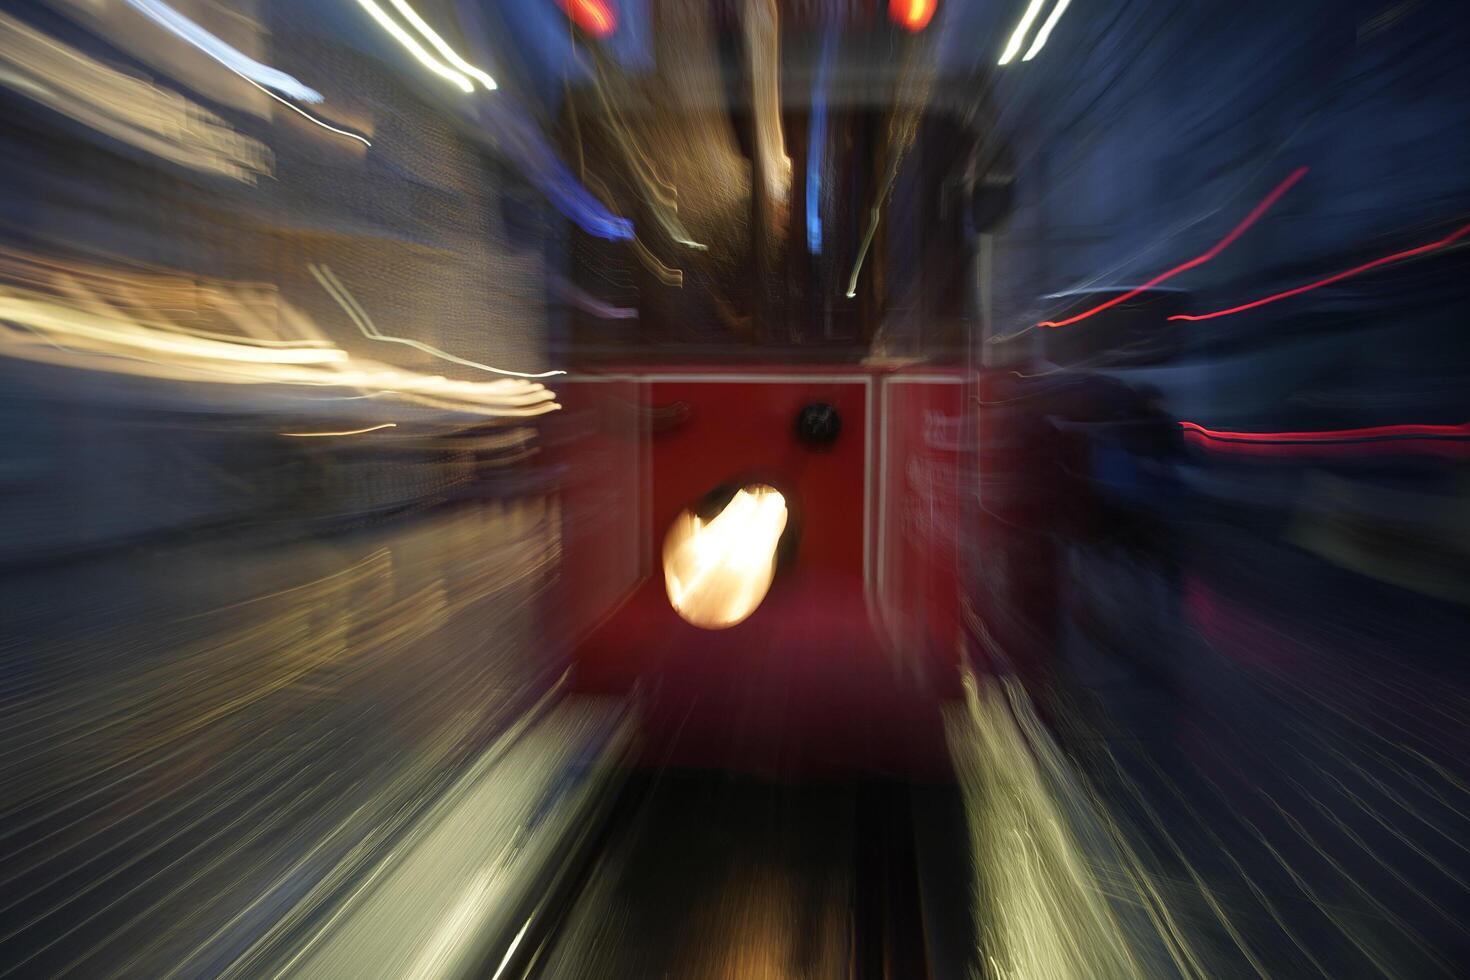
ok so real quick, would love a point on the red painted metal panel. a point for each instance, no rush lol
(806, 682)
(922, 469)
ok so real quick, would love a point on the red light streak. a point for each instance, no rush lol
(1220, 246)
(911, 15)
(595, 17)
(1443, 440)
(1452, 237)
(1335, 435)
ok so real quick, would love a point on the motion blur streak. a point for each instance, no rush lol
(1385, 440)
(1251, 218)
(593, 16)
(360, 318)
(659, 195)
(263, 75)
(309, 117)
(414, 47)
(1356, 270)
(345, 432)
(762, 38)
(62, 334)
(1372, 432)
(1018, 36)
(124, 107)
(667, 275)
(912, 15)
(1048, 911)
(623, 518)
(1046, 28)
(867, 242)
(442, 46)
(59, 320)
(528, 147)
(816, 154)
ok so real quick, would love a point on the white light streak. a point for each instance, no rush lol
(302, 112)
(414, 47)
(359, 316)
(131, 110)
(94, 319)
(1045, 32)
(412, 16)
(514, 943)
(1018, 37)
(857, 266)
(237, 61)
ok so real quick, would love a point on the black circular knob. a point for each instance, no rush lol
(818, 424)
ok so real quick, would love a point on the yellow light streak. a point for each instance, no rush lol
(50, 316)
(762, 37)
(667, 275)
(123, 322)
(344, 432)
(132, 110)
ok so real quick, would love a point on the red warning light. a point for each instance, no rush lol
(594, 17)
(911, 15)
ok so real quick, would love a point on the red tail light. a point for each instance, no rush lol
(911, 15)
(594, 17)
